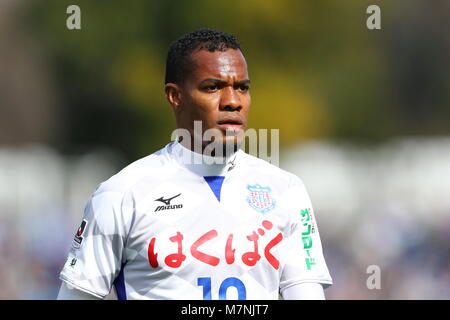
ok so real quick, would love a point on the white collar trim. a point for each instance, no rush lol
(200, 164)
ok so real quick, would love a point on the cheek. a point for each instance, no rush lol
(204, 104)
(246, 104)
(249, 101)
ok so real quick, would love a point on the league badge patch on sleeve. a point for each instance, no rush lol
(78, 239)
(260, 199)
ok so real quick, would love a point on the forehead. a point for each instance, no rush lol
(219, 64)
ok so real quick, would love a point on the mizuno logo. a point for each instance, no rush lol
(232, 164)
(167, 201)
(167, 205)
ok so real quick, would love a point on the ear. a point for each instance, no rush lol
(173, 95)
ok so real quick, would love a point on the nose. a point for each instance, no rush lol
(230, 100)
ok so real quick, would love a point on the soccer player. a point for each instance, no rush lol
(179, 224)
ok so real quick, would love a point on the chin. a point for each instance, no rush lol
(232, 144)
(223, 147)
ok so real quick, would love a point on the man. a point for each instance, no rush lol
(184, 223)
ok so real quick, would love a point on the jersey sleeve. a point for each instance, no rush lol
(303, 257)
(97, 252)
(66, 293)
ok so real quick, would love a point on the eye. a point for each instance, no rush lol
(244, 88)
(211, 88)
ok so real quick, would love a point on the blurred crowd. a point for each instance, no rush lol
(42, 197)
(363, 119)
(387, 206)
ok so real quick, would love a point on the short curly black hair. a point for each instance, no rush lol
(179, 62)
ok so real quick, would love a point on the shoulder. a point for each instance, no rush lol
(110, 208)
(264, 168)
(150, 168)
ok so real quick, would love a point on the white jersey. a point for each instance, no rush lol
(163, 228)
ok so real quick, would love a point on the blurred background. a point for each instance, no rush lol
(364, 119)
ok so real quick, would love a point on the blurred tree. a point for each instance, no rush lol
(317, 71)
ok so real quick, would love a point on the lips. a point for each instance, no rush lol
(231, 121)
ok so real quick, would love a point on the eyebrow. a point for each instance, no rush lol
(223, 83)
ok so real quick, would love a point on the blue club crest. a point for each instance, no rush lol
(260, 198)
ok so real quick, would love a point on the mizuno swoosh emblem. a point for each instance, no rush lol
(167, 201)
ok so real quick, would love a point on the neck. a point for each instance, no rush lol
(209, 148)
(203, 162)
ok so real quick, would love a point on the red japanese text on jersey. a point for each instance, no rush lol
(250, 258)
